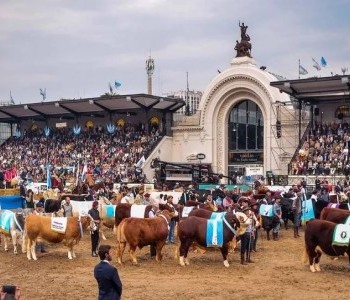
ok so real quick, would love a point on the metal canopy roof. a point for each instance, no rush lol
(315, 90)
(70, 108)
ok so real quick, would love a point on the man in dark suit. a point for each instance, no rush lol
(109, 284)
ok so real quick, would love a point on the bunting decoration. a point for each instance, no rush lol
(48, 176)
(47, 131)
(110, 128)
(76, 129)
(17, 133)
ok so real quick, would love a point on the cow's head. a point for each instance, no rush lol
(88, 223)
(167, 214)
(242, 229)
(20, 220)
(232, 220)
(243, 218)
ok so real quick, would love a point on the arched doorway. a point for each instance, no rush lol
(245, 141)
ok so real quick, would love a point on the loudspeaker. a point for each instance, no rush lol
(317, 111)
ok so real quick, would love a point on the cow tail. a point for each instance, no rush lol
(305, 255)
(177, 248)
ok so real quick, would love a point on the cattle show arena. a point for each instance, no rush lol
(277, 272)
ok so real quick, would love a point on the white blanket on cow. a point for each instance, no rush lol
(81, 208)
(186, 210)
(137, 211)
(341, 235)
(59, 224)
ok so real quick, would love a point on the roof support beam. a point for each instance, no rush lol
(103, 107)
(37, 112)
(10, 115)
(75, 113)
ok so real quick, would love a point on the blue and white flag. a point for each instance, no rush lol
(117, 84)
(48, 177)
(316, 65)
(302, 70)
(323, 62)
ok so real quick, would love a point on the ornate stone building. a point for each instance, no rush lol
(242, 125)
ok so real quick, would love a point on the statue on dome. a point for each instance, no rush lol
(243, 47)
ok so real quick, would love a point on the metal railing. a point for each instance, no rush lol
(301, 142)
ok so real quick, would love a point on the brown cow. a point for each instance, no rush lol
(319, 234)
(142, 232)
(193, 229)
(335, 215)
(242, 217)
(40, 226)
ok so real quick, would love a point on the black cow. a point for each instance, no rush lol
(287, 211)
(321, 204)
(268, 223)
(52, 205)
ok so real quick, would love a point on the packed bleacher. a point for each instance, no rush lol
(112, 157)
(325, 151)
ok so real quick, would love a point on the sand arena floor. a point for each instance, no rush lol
(277, 273)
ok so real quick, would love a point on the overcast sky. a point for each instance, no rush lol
(75, 48)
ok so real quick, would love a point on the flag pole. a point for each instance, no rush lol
(299, 68)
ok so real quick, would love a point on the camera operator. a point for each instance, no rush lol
(10, 292)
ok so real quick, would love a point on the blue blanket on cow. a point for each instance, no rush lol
(218, 216)
(307, 212)
(215, 232)
(266, 210)
(110, 211)
(5, 220)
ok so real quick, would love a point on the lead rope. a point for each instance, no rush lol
(164, 217)
(230, 227)
(17, 224)
(80, 226)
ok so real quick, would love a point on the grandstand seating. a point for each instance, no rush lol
(324, 151)
(110, 156)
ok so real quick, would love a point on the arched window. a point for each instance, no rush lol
(246, 133)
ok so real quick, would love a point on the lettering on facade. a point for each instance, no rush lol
(245, 157)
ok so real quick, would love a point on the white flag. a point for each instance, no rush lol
(302, 70)
(141, 162)
(316, 65)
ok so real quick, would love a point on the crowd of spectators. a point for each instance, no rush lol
(325, 151)
(113, 157)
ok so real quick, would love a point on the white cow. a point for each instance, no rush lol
(11, 225)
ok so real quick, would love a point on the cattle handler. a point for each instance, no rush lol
(152, 214)
(95, 214)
